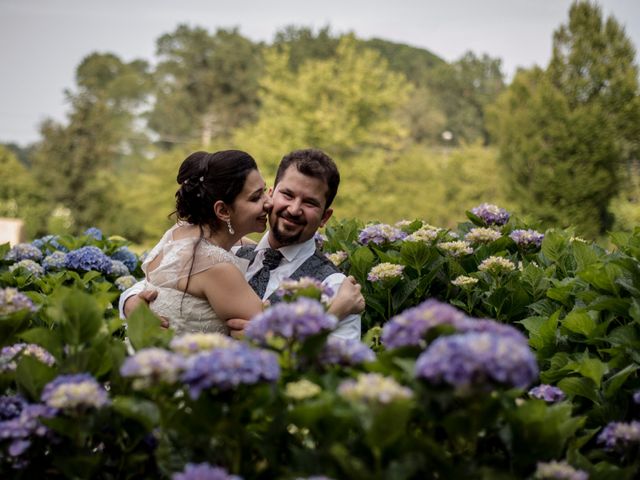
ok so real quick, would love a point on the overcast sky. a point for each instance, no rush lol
(43, 41)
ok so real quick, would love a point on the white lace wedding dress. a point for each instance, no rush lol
(186, 313)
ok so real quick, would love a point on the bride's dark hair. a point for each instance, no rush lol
(205, 178)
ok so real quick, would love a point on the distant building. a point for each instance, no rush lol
(11, 230)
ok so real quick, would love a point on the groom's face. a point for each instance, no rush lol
(298, 208)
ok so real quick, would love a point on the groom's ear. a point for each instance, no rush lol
(270, 192)
(221, 210)
(326, 216)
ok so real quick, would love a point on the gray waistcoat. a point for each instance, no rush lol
(316, 266)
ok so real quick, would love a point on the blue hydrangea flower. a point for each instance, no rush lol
(118, 269)
(24, 251)
(527, 239)
(203, 471)
(620, 436)
(485, 325)
(151, 366)
(49, 244)
(558, 471)
(125, 282)
(74, 391)
(89, 258)
(55, 261)
(11, 301)
(20, 425)
(11, 353)
(11, 406)
(93, 232)
(491, 214)
(477, 361)
(409, 327)
(292, 321)
(379, 234)
(127, 257)
(30, 266)
(341, 351)
(226, 368)
(548, 393)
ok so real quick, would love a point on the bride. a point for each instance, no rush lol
(200, 284)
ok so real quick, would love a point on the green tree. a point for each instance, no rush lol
(207, 85)
(302, 44)
(463, 91)
(346, 105)
(563, 132)
(20, 196)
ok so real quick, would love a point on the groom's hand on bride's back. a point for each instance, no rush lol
(146, 297)
(237, 326)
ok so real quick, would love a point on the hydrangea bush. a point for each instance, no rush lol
(491, 350)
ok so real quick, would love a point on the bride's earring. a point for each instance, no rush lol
(229, 227)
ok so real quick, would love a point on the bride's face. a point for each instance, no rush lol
(250, 208)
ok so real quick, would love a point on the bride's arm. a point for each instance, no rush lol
(227, 291)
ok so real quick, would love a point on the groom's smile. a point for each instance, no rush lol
(298, 207)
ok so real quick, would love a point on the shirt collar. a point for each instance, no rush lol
(290, 252)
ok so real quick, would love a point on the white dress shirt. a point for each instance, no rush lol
(294, 256)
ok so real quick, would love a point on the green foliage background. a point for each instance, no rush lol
(413, 135)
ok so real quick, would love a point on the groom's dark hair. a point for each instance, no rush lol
(313, 163)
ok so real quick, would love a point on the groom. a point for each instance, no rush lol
(306, 184)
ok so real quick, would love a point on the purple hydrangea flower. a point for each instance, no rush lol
(226, 368)
(30, 266)
(558, 470)
(9, 355)
(151, 366)
(636, 397)
(20, 424)
(49, 244)
(118, 269)
(24, 251)
(379, 234)
(527, 239)
(320, 240)
(477, 360)
(485, 325)
(341, 351)
(11, 301)
(292, 321)
(491, 214)
(11, 406)
(305, 286)
(203, 471)
(93, 232)
(87, 259)
(74, 391)
(127, 257)
(410, 326)
(314, 477)
(619, 436)
(56, 261)
(548, 393)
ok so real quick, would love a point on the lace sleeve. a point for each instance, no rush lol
(179, 261)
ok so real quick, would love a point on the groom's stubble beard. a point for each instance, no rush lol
(282, 237)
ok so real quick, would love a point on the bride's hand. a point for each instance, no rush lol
(348, 300)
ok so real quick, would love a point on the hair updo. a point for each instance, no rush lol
(205, 178)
